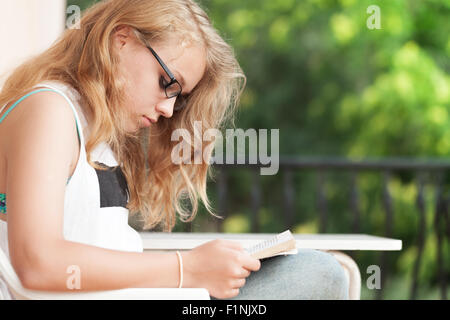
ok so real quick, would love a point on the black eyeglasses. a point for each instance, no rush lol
(173, 87)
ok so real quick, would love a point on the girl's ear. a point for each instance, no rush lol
(121, 36)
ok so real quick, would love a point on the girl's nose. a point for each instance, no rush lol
(165, 107)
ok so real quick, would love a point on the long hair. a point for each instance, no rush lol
(84, 59)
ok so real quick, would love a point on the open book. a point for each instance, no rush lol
(281, 244)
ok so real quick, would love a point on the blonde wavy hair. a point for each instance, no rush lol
(84, 59)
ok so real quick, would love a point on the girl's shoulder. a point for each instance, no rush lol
(41, 114)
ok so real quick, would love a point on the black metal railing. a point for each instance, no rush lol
(385, 167)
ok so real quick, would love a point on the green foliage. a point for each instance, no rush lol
(333, 86)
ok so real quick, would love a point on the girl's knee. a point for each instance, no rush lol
(327, 278)
(308, 275)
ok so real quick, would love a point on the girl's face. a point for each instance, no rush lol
(146, 100)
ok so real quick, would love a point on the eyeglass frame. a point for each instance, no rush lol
(169, 73)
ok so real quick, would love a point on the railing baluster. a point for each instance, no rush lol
(288, 198)
(354, 200)
(446, 214)
(354, 207)
(222, 188)
(322, 202)
(420, 201)
(440, 208)
(447, 217)
(256, 201)
(387, 202)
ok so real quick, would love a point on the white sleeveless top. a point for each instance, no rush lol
(95, 200)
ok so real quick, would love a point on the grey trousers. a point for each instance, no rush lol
(308, 275)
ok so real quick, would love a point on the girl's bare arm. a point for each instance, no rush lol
(39, 152)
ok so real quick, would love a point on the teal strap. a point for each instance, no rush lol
(29, 94)
(2, 203)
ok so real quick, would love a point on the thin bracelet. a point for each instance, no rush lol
(180, 262)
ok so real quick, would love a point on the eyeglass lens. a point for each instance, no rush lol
(173, 90)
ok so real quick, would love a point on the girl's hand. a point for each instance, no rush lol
(220, 266)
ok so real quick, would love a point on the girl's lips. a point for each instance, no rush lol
(151, 120)
(147, 121)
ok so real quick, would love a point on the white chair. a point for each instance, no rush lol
(9, 276)
(351, 272)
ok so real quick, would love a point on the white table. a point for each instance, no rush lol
(332, 243)
(343, 242)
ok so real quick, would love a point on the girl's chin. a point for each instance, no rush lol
(134, 126)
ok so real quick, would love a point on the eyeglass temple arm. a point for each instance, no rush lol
(171, 76)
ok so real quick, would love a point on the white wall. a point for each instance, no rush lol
(27, 27)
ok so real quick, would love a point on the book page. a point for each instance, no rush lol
(283, 243)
